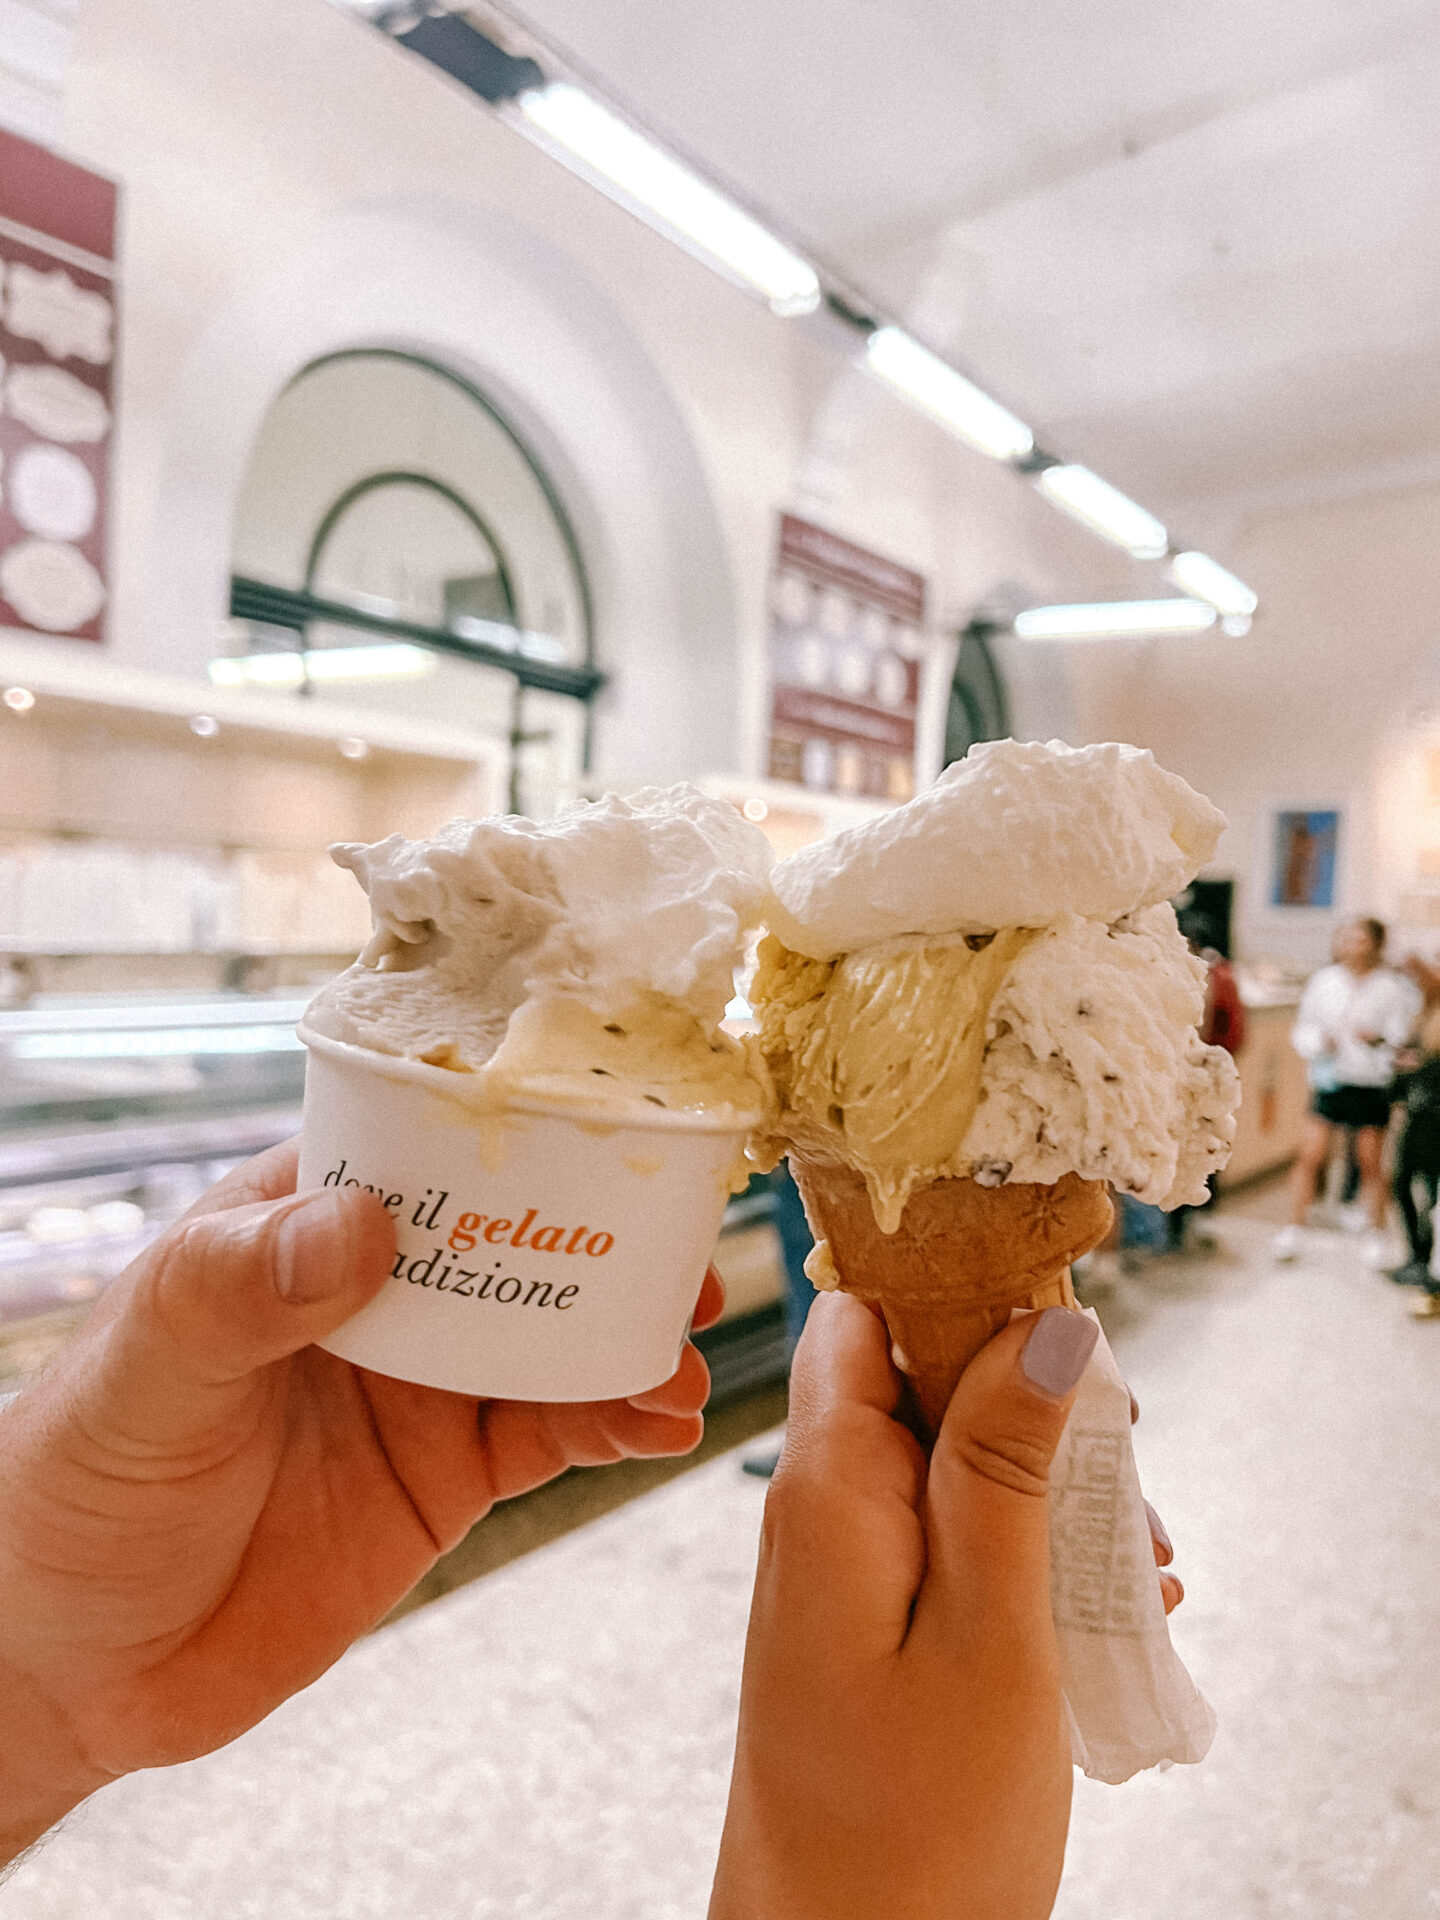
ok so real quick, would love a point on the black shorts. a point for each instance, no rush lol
(1354, 1106)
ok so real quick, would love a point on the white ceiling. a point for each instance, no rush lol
(1198, 247)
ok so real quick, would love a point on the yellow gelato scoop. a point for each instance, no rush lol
(876, 1056)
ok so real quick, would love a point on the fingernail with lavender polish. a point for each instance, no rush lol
(1158, 1533)
(1058, 1351)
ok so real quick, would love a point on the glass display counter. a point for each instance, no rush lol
(118, 1110)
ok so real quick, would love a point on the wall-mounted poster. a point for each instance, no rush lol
(1305, 847)
(57, 354)
(846, 637)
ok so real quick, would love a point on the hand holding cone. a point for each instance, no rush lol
(962, 1260)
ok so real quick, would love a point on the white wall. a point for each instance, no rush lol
(34, 55)
(293, 184)
(1334, 687)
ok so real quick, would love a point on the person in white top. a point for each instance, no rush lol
(1354, 1016)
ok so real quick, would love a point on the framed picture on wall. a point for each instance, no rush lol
(1304, 852)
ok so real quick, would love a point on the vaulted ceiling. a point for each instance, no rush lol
(1197, 248)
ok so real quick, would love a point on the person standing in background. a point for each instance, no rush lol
(1354, 1016)
(1417, 1153)
(1223, 1025)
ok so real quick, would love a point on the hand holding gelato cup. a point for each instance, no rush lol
(526, 1066)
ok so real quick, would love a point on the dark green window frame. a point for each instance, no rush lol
(295, 610)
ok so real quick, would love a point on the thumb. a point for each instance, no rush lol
(224, 1295)
(988, 1515)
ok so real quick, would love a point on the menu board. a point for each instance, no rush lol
(846, 637)
(57, 353)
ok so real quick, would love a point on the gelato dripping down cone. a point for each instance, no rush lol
(962, 1259)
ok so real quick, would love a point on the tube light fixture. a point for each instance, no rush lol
(509, 639)
(396, 660)
(667, 195)
(1105, 510)
(602, 148)
(156, 1044)
(1115, 619)
(947, 396)
(1197, 573)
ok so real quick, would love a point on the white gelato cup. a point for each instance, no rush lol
(544, 1254)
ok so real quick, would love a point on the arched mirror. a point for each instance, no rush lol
(397, 546)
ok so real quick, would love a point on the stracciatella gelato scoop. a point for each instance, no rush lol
(988, 982)
(587, 959)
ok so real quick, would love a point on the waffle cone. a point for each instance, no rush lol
(963, 1258)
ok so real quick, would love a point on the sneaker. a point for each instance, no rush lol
(1286, 1244)
(1427, 1307)
(1374, 1251)
(1353, 1219)
(1414, 1273)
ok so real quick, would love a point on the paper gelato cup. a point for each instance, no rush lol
(543, 1254)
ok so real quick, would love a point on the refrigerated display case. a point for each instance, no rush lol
(116, 1113)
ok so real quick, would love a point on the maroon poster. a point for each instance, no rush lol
(846, 629)
(57, 354)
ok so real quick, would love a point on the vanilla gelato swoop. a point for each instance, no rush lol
(587, 960)
(988, 982)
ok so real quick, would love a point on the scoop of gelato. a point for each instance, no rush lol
(615, 927)
(1013, 835)
(1071, 1049)
(1095, 1064)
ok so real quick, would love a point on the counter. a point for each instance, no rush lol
(1276, 1094)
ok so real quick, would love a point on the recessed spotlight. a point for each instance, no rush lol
(353, 747)
(205, 724)
(755, 808)
(18, 699)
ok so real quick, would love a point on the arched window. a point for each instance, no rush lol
(388, 506)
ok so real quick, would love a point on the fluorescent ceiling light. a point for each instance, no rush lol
(159, 1044)
(508, 639)
(1197, 573)
(1114, 619)
(666, 194)
(396, 660)
(1105, 510)
(947, 396)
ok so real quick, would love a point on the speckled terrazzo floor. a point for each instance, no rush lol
(553, 1740)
